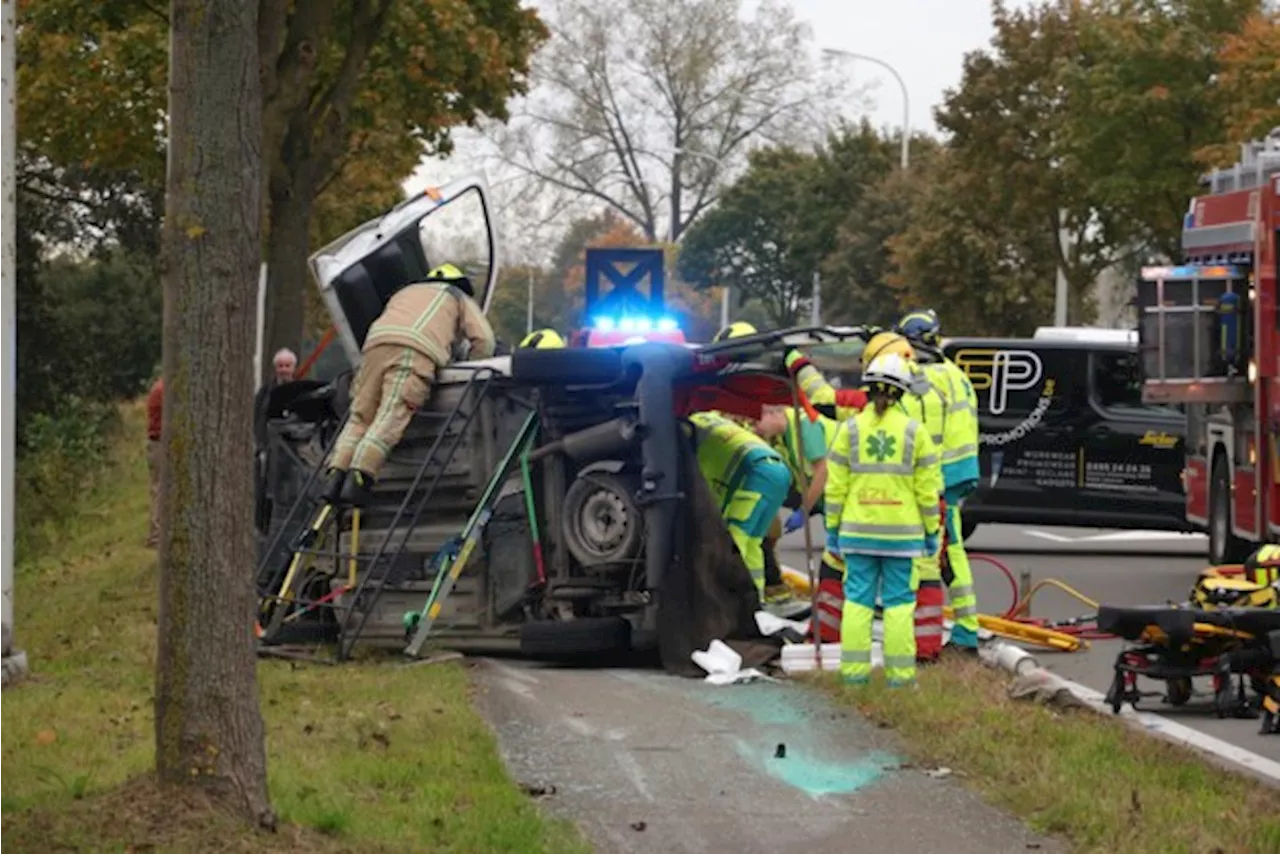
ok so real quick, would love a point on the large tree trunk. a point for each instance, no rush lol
(208, 726)
(288, 244)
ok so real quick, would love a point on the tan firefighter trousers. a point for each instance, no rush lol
(390, 386)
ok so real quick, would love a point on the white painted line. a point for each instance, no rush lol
(1180, 733)
(1117, 536)
(1053, 538)
(634, 773)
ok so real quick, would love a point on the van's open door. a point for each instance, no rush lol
(358, 272)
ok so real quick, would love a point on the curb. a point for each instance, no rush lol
(1019, 662)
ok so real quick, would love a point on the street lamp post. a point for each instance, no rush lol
(906, 101)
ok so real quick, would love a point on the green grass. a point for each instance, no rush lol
(363, 757)
(1074, 773)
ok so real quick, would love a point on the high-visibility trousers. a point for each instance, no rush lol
(828, 602)
(751, 508)
(964, 599)
(930, 598)
(865, 575)
(390, 386)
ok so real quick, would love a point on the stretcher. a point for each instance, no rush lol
(1177, 644)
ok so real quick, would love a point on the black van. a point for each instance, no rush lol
(1066, 439)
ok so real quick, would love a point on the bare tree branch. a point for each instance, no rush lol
(646, 105)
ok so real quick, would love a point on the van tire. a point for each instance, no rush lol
(1224, 546)
(967, 527)
(569, 638)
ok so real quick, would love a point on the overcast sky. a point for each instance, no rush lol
(925, 40)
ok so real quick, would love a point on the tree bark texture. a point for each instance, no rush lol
(209, 729)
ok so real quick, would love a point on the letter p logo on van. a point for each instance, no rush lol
(998, 372)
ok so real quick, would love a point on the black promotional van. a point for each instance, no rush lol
(1065, 437)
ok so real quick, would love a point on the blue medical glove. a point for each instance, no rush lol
(931, 544)
(795, 521)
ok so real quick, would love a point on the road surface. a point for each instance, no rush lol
(1112, 567)
(648, 762)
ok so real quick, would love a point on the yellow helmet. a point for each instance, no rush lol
(543, 339)
(451, 275)
(741, 329)
(885, 343)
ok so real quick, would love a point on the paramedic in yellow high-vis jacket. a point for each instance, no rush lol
(884, 484)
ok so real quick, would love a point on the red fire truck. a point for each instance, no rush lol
(1209, 331)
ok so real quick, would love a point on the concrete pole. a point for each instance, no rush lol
(724, 307)
(1060, 285)
(815, 308)
(262, 328)
(528, 320)
(15, 660)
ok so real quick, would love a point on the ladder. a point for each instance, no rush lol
(373, 572)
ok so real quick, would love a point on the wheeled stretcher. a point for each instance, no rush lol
(1177, 644)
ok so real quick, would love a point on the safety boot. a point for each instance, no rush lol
(358, 490)
(334, 480)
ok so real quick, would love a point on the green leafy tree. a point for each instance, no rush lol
(856, 272)
(1247, 89)
(774, 226)
(982, 273)
(354, 94)
(1140, 106)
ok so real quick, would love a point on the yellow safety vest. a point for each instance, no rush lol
(722, 446)
(960, 436)
(927, 405)
(884, 482)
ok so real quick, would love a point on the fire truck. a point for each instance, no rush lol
(1208, 333)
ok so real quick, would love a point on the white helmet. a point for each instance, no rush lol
(888, 369)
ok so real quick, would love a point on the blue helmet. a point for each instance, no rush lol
(921, 327)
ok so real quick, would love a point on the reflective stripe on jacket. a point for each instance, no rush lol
(884, 483)
(1263, 566)
(960, 438)
(431, 318)
(722, 447)
(846, 402)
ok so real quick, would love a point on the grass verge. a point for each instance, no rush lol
(363, 757)
(1071, 772)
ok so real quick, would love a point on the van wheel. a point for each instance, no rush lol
(1224, 546)
(967, 527)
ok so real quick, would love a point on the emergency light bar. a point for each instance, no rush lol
(1192, 271)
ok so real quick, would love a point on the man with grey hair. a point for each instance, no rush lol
(285, 362)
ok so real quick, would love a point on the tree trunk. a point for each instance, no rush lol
(208, 726)
(288, 244)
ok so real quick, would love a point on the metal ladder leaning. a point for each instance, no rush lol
(278, 599)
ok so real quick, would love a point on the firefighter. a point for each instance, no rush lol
(884, 483)
(734, 330)
(840, 404)
(543, 339)
(959, 465)
(421, 329)
(747, 477)
(779, 426)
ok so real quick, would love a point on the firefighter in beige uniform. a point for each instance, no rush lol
(418, 332)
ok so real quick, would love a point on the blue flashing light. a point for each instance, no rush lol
(666, 324)
(627, 324)
(643, 324)
(604, 324)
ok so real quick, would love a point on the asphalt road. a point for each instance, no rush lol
(1112, 567)
(648, 762)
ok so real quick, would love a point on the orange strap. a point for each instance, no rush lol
(315, 354)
